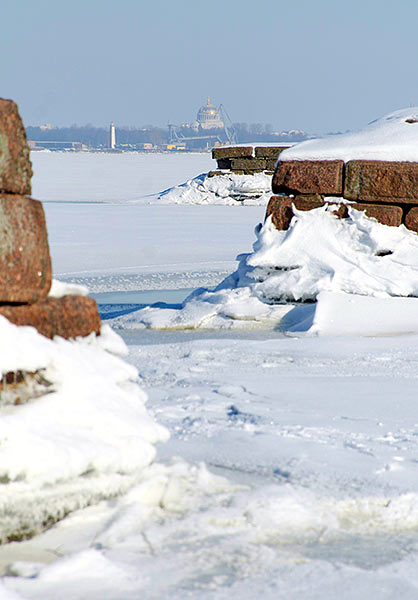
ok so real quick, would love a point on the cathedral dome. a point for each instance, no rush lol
(209, 116)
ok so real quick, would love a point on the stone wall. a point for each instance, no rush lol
(387, 191)
(25, 264)
(246, 160)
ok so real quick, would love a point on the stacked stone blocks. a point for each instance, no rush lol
(246, 160)
(25, 264)
(385, 190)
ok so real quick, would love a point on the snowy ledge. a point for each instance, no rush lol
(393, 137)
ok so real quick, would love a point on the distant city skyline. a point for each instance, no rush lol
(316, 66)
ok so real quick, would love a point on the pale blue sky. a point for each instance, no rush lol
(314, 65)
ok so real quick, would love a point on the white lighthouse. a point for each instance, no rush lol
(112, 136)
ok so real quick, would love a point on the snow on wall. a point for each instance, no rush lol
(392, 137)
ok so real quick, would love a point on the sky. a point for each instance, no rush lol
(320, 66)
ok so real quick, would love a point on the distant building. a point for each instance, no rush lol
(112, 136)
(209, 117)
(55, 145)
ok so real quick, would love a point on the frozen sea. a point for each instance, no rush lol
(293, 460)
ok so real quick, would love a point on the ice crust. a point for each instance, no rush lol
(318, 253)
(89, 434)
(391, 137)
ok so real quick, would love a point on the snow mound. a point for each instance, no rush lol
(392, 137)
(226, 189)
(86, 438)
(318, 253)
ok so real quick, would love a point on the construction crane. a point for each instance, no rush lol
(228, 127)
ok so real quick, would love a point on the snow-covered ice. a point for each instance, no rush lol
(290, 471)
(392, 137)
(112, 178)
(356, 256)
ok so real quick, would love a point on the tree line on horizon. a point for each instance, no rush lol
(96, 137)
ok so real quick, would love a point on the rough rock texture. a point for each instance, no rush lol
(380, 181)
(281, 211)
(25, 265)
(309, 177)
(385, 213)
(68, 317)
(280, 207)
(15, 165)
(269, 151)
(232, 152)
(411, 218)
(250, 164)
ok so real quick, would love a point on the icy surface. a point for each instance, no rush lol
(357, 256)
(315, 440)
(392, 137)
(299, 452)
(135, 247)
(226, 189)
(111, 178)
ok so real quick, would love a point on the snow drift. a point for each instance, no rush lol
(87, 437)
(318, 253)
(225, 189)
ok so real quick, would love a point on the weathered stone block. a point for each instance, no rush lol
(15, 165)
(271, 163)
(384, 213)
(232, 152)
(280, 207)
(411, 219)
(224, 163)
(269, 151)
(381, 181)
(309, 177)
(252, 164)
(281, 211)
(68, 317)
(25, 264)
(215, 173)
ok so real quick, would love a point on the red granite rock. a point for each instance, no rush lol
(309, 177)
(68, 317)
(381, 181)
(15, 165)
(25, 264)
(384, 213)
(232, 151)
(280, 207)
(281, 211)
(411, 219)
